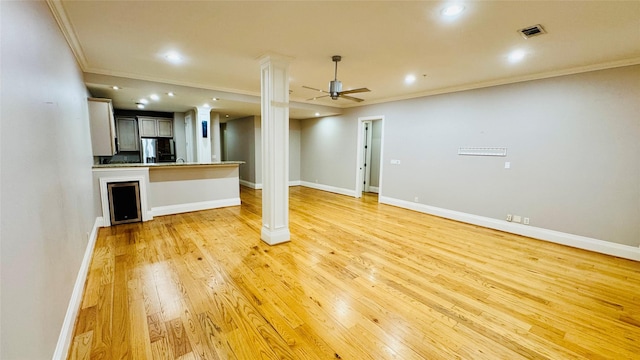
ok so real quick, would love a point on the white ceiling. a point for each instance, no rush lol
(124, 43)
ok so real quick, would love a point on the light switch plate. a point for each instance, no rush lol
(507, 165)
(395, 162)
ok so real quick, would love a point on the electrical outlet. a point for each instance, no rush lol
(517, 218)
(525, 221)
(509, 217)
(415, 199)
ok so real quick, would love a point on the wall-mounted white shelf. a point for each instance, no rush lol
(483, 151)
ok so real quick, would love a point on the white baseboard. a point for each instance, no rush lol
(333, 189)
(374, 189)
(204, 205)
(259, 186)
(577, 241)
(250, 184)
(66, 333)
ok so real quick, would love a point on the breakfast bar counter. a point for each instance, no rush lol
(172, 188)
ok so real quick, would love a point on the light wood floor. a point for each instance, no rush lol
(359, 280)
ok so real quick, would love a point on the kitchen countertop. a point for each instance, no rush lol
(165, 165)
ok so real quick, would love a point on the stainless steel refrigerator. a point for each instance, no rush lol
(157, 150)
(149, 151)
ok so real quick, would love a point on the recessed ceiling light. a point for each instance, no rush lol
(140, 106)
(215, 99)
(317, 114)
(154, 97)
(226, 115)
(516, 56)
(171, 94)
(452, 10)
(410, 79)
(173, 57)
(144, 101)
(115, 87)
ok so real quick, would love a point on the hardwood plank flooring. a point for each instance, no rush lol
(359, 280)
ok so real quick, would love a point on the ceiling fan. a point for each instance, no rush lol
(335, 87)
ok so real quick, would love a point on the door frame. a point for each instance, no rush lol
(188, 134)
(360, 155)
(367, 126)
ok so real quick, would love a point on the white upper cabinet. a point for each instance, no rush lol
(128, 139)
(103, 129)
(165, 127)
(155, 127)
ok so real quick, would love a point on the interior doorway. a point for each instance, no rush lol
(369, 155)
(188, 133)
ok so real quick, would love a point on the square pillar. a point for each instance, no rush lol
(274, 81)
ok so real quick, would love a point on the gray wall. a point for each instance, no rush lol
(328, 151)
(243, 141)
(572, 143)
(46, 208)
(179, 136)
(240, 146)
(294, 150)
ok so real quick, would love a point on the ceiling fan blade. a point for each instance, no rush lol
(310, 88)
(360, 90)
(317, 97)
(351, 98)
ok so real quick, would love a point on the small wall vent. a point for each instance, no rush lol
(532, 31)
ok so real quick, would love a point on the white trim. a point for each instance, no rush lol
(359, 173)
(577, 241)
(67, 30)
(328, 188)
(496, 82)
(374, 189)
(275, 237)
(197, 206)
(251, 185)
(259, 186)
(104, 195)
(66, 333)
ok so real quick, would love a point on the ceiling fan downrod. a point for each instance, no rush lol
(335, 86)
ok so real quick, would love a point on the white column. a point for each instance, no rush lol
(203, 134)
(274, 81)
(215, 137)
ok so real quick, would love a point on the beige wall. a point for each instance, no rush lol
(46, 207)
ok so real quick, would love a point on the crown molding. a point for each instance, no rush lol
(59, 13)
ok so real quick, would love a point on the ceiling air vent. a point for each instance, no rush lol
(532, 31)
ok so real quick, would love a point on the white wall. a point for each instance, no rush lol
(46, 208)
(572, 143)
